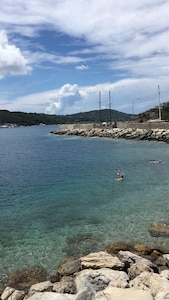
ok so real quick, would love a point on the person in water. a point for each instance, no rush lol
(121, 176)
(158, 161)
(118, 172)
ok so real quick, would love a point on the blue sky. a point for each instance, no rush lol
(56, 55)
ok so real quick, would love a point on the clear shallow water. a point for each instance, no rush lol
(59, 197)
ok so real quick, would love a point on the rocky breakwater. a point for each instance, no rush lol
(113, 274)
(116, 133)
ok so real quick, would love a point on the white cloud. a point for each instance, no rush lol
(120, 30)
(12, 62)
(40, 57)
(66, 98)
(82, 67)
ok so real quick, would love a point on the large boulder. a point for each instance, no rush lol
(69, 266)
(166, 258)
(54, 276)
(51, 296)
(7, 293)
(99, 279)
(113, 293)
(136, 269)
(41, 287)
(17, 295)
(65, 285)
(150, 281)
(162, 296)
(12, 294)
(130, 258)
(101, 260)
(165, 274)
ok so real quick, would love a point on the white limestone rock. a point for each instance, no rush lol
(17, 295)
(150, 281)
(41, 287)
(162, 296)
(100, 296)
(12, 294)
(166, 257)
(165, 274)
(100, 279)
(50, 296)
(136, 269)
(7, 293)
(132, 258)
(85, 294)
(65, 285)
(113, 293)
(101, 260)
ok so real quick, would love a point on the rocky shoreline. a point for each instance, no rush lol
(150, 134)
(115, 273)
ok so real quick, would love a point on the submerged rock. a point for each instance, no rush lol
(23, 279)
(116, 247)
(159, 229)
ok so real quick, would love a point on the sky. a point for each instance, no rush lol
(64, 57)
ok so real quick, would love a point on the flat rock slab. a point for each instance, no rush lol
(51, 296)
(113, 293)
(101, 260)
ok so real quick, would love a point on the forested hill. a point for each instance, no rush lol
(95, 116)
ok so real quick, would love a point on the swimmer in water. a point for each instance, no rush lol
(158, 161)
(121, 177)
(118, 172)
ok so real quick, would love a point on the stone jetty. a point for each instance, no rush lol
(115, 273)
(135, 133)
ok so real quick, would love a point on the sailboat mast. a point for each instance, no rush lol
(110, 104)
(159, 108)
(100, 106)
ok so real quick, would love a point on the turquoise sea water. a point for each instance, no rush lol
(59, 196)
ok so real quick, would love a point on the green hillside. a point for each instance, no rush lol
(153, 113)
(27, 119)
